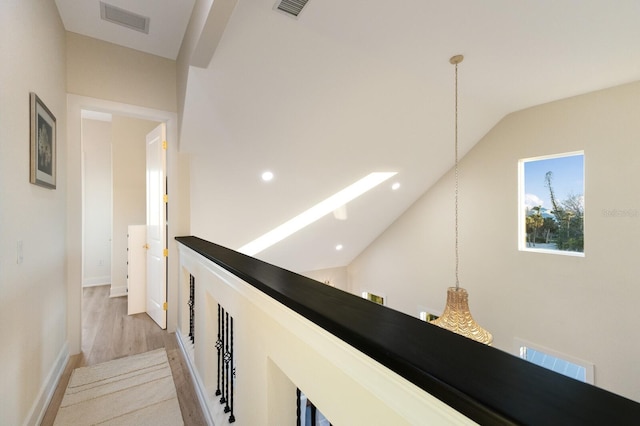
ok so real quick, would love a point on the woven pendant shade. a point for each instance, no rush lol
(457, 317)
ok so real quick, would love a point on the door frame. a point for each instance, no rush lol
(73, 159)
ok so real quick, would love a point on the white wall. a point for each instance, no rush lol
(583, 307)
(335, 277)
(32, 293)
(97, 202)
(129, 190)
(111, 72)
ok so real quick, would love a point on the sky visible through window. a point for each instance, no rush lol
(559, 365)
(568, 179)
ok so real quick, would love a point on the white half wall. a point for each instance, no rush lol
(276, 350)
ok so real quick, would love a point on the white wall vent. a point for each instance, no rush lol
(292, 7)
(124, 17)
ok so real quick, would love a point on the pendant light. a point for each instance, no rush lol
(457, 316)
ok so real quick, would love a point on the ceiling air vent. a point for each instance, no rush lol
(124, 17)
(292, 7)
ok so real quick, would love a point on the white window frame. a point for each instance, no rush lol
(522, 236)
(589, 367)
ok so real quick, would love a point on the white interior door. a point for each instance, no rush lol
(156, 226)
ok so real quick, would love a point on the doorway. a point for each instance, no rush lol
(75, 202)
(114, 191)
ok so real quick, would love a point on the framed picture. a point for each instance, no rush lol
(43, 144)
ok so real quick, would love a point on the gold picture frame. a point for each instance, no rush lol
(43, 144)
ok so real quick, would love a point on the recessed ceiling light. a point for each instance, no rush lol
(395, 186)
(267, 176)
(339, 247)
(314, 213)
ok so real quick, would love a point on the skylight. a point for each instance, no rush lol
(316, 212)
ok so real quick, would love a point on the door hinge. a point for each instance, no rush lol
(165, 252)
(165, 198)
(164, 144)
(164, 306)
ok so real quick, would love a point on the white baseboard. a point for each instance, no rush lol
(118, 291)
(200, 389)
(40, 405)
(96, 281)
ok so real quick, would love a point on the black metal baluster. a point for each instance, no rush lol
(232, 418)
(226, 362)
(313, 415)
(226, 369)
(222, 398)
(191, 303)
(219, 348)
(298, 412)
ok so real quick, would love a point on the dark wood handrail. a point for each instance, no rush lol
(485, 384)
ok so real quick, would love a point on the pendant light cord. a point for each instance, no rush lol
(455, 60)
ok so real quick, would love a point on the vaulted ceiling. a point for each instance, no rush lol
(354, 87)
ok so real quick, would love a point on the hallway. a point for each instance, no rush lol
(109, 333)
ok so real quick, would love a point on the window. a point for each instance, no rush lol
(373, 297)
(428, 316)
(307, 413)
(554, 361)
(551, 204)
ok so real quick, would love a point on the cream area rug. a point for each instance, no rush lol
(136, 390)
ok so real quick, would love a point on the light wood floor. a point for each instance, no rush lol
(109, 333)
